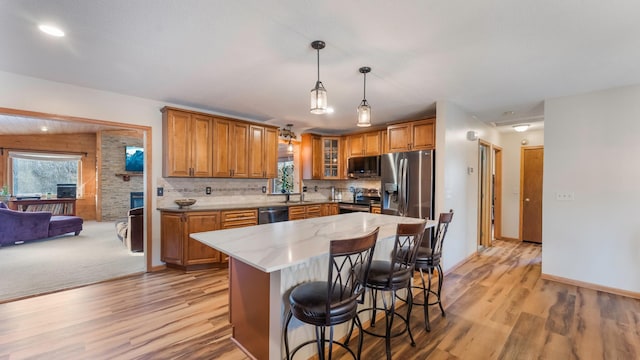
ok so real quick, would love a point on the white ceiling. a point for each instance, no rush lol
(253, 59)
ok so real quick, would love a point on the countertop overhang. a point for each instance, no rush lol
(272, 247)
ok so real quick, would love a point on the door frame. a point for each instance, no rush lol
(146, 130)
(521, 217)
(493, 189)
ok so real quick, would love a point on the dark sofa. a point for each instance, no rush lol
(18, 226)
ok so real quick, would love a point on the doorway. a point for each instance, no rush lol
(86, 126)
(489, 193)
(531, 168)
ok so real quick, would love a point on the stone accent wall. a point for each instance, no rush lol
(114, 191)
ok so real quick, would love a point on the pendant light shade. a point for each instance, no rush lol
(290, 147)
(318, 93)
(364, 110)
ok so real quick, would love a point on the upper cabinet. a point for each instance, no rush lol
(187, 143)
(230, 148)
(414, 135)
(364, 144)
(198, 145)
(263, 152)
(321, 157)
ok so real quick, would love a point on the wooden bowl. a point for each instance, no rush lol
(185, 202)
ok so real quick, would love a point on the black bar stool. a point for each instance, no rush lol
(335, 301)
(428, 259)
(392, 275)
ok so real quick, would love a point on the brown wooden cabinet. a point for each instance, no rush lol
(238, 218)
(321, 157)
(243, 150)
(330, 209)
(231, 148)
(364, 144)
(300, 212)
(263, 152)
(297, 212)
(187, 141)
(178, 249)
(414, 135)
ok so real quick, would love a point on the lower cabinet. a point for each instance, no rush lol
(238, 218)
(299, 212)
(330, 209)
(178, 249)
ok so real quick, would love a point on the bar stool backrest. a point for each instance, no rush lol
(349, 263)
(407, 242)
(438, 239)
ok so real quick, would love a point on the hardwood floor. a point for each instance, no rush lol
(497, 308)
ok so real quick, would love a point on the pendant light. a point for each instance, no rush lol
(288, 134)
(318, 93)
(364, 110)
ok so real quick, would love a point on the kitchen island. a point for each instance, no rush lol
(267, 261)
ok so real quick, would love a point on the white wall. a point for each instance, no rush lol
(511, 146)
(592, 150)
(455, 188)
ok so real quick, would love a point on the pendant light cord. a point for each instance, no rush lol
(364, 92)
(318, 51)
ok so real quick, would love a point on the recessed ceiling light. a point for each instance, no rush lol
(51, 30)
(520, 127)
(44, 129)
(508, 113)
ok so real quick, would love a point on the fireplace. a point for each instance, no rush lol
(137, 199)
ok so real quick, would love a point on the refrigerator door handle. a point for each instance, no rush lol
(405, 181)
(403, 191)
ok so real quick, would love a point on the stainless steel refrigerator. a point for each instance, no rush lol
(407, 183)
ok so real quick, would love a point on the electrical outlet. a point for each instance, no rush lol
(565, 196)
(160, 191)
(207, 190)
(264, 189)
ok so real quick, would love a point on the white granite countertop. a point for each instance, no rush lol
(272, 247)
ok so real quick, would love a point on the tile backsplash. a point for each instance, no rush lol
(229, 191)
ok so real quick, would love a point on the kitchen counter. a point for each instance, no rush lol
(243, 206)
(266, 261)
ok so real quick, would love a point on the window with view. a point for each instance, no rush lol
(40, 173)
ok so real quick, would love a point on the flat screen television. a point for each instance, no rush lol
(134, 158)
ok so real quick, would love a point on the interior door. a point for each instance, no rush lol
(531, 161)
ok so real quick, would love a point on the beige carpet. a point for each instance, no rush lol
(66, 261)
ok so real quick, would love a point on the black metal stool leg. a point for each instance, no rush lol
(389, 323)
(409, 307)
(320, 342)
(360, 336)
(286, 334)
(440, 281)
(425, 302)
(374, 295)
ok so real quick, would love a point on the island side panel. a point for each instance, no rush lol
(249, 307)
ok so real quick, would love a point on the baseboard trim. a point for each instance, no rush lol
(157, 268)
(509, 238)
(460, 263)
(596, 287)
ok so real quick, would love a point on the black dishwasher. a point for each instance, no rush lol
(272, 214)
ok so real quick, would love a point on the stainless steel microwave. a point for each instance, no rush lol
(363, 167)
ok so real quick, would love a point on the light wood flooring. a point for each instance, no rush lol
(497, 308)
